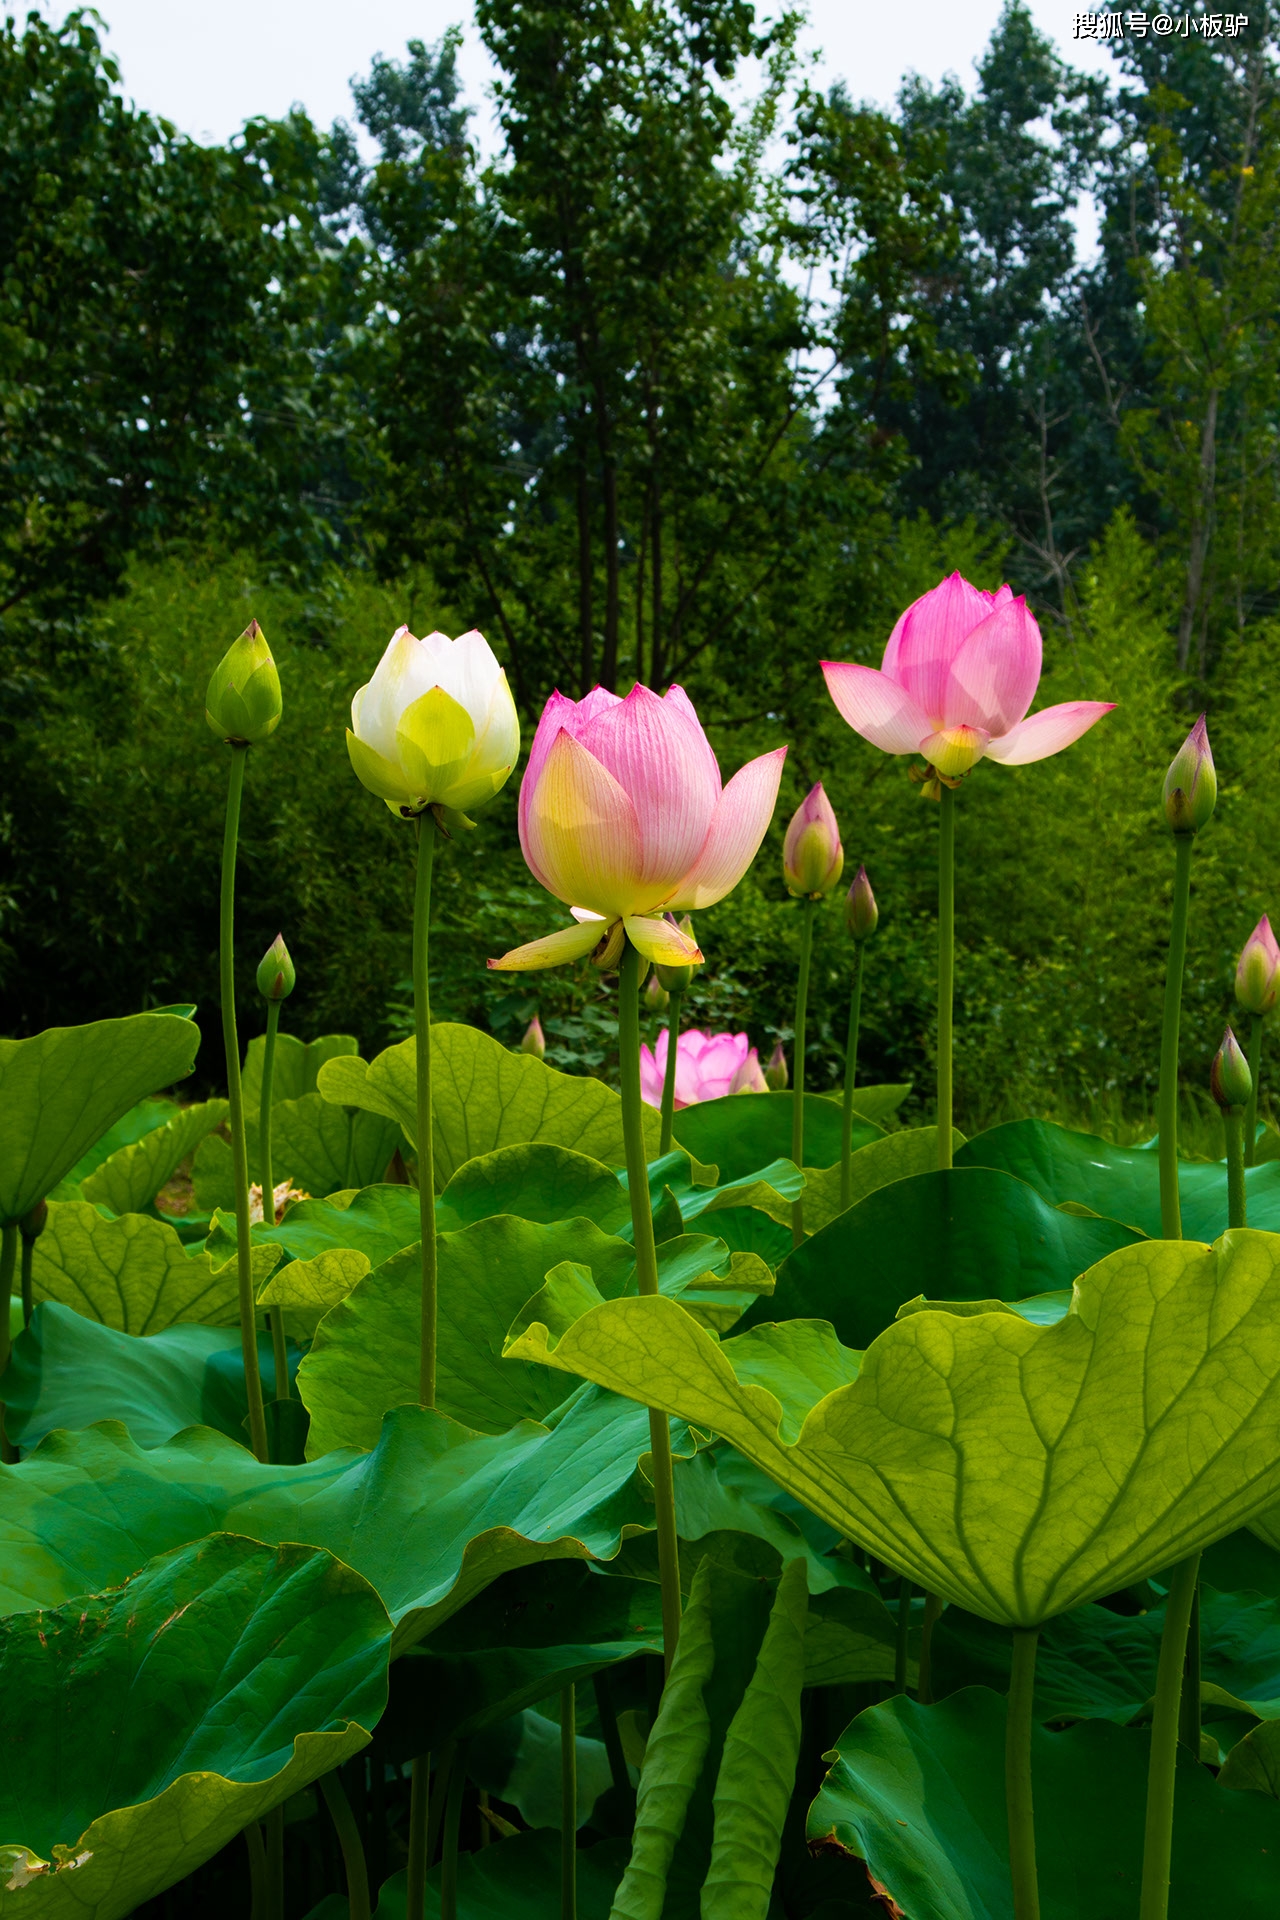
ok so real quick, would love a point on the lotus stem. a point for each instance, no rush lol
(1167, 1101)
(27, 1281)
(850, 1075)
(1189, 1704)
(902, 1638)
(353, 1863)
(669, 1076)
(1017, 1773)
(1233, 1125)
(426, 1157)
(235, 1096)
(452, 1821)
(797, 1075)
(568, 1805)
(415, 1884)
(1255, 1069)
(8, 1267)
(275, 1319)
(932, 1614)
(273, 1833)
(608, 1717)
(1158, 1839)
(946, 968)
(257, 1871)
(664, 1498)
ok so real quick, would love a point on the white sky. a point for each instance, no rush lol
(210, 67)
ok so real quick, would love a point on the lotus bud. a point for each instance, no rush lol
(535, 1040)
(676, 979)
(861, 914)
(656, 997)
(776, 1076)
(32, 1224)
(812, 856)
(1258, 970)
(1229, 1078)
(749, 1078)
(276, 975)
(243, 702)
(1191, 784)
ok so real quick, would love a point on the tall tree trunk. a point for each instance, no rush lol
(1201, 527)
(609, 488)
(586, 637)
(657, 665)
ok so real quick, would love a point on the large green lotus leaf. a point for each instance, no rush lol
(536, 1182)
(742, 1133)
(429, 1518)
(132, 1273)
(133, 1175)
(314, 1286)
(297, 1065)
(749, 1230)
(1017, 1470)
(62, 1089)
(377, 1221)
(326, 1149)
(68, 1371)
(365, 1356)
(874, 1103)
(514, 1879)
(156, 1721)
(484, 1097)
(771, 1190)
(143, 1118)
(1242, 1562)
(1121, 1182)
(897, 1157)
(978, 1233)
(1095, 1664)
(918, 1793)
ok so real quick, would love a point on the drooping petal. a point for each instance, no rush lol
(661, 942)
(738, 825)
(659, 755)
(994, 676)
(876, 707)
(929, 636)
(580, 834)
(1048, 731)
(553, 950)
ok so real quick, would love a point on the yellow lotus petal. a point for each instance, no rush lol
(582, 835)
(379, 774)
(554, 950)
(660, 942)
(435, 737)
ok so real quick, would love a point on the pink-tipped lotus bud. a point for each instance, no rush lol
(535, 1040)
(676, 979)
(748, 1078)
(277, 977)
(1191, 784)
(1258, 970)
(812, 856)
(861, 914)
(656, 997)
(776, 1077)
(1230, 1081)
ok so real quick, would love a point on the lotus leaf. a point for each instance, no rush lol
(1017, 1470)
(62, 1089)
(377, 1221)
(218, 1681)
(874, 1103)
(740, 1134)
(313, 1286)
(518, 1879)
(133, 1274)
(146, 1117)
(131, 1177)
(296, 1068)
(537, 1182)
(326, 1149)
(897, 1157)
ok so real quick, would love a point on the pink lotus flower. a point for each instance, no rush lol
(708, 1066)
(959, 672)
(1258, 970)
(622, 817)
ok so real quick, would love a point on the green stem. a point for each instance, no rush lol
(449, 1852)
(1189, 1705)
(440, 1797)
(902, 1638)
(275, 1318)
(797, 1076)
(426, 1155)
(1255, 1070)
(932, 1614)
(273, 1828)
(415, 1885)
(568, 1805)
(1232, 1121)
(946, 968)
(850, 1075)
(609, 1733)
(1017, 1773)
(8, 1267)
(669, 1075)
(1167, 1101)
(28, 1257)
(344, 1822)
(1158, 1839)
(235, 1096)
(257, 1870)
(664, 1498)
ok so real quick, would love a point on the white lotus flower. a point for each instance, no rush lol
(436, 725)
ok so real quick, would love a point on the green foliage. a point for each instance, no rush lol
(133, 1274)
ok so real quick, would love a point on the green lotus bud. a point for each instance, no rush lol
(535, 1041)
(243, 703)
(1258, 970)
(276, 975)
(776, 1077)
(1230, 1081)
(861, 914)
(656, 997)
(32, 1224)
(812, 856)
(1191, 784)
(676, 979)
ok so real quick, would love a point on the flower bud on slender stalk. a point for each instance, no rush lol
(276, 980)
(534, 1041)
(1231, 1084)
(775, 1074)
(1190, 791)
(1191, 784)
(1257, 987)
(812, 856)
(277, 977)
(31, 1226)
(656, 997)
(861, 916)
(243, 703)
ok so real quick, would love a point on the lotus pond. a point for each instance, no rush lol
(687, 1498)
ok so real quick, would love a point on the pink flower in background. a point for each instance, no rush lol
(1258, 970)
(708, 1065)
(622, 816)
(960, 670)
